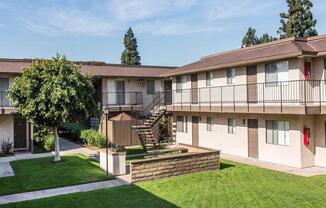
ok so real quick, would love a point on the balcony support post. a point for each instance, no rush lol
(281, 97)
(264, 97)
(221, 98)
(233, 98)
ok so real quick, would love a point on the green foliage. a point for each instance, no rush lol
(92, 137)
(40, 132)
(49, 143)
(50, 92)
(71, 131)
(251, 38)
(298, 21)
(130, 55)
(265, 38)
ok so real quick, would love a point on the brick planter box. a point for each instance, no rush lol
(174, 165)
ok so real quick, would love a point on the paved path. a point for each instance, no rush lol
(68, 148)
(6, 170)
(60, 191)
(307, 172)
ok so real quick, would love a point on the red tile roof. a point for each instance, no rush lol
(286, 48)
(15, 66)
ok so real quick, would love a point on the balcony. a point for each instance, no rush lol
(122, 101)
(288, 97)
(5, 105)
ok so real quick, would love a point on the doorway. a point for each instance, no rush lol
(20, 134)
(194, 88)
(168, 92)
(253, 138)
(252, 84)
(195, 130)
(120, 89)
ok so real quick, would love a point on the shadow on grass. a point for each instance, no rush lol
(131, 196)
(225, 165)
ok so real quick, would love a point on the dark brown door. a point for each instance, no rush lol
(195, 131)
(20, 135)
(252, 83)
(120, 92)
(194, 88)
(168, 92)
(253, 138)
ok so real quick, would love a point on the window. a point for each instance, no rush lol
(181, 82)
(209, 124)
(4, 84)
(209, 78)
(277, 132)
(231, 125)
(181, 123)
(277, 72)
(150, 87)
(230, 73)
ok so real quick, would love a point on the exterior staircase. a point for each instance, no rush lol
(147, 119)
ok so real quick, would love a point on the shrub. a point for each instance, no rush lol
(6, 146)
(49, 142)
(71, 130)
(40, 132)
(92, 137)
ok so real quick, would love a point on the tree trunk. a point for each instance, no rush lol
(56, 145)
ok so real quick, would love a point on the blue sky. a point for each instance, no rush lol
(169, 32)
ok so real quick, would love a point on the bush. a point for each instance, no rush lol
(40, 132)
(92, 137)
(49, 142)
(6, 146)
(71, 130)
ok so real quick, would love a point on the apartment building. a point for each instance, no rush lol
(266, 102)
(120, 88)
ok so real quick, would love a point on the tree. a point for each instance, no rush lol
(250, 38)
(298, 21)
(266, 38)
(50, 92)
(130, 55)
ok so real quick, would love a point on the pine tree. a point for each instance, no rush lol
(250, 38)
(298, 21)
(130, 55)
(266, 38)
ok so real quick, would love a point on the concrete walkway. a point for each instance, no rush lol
(306, 172)
(68, 148)
(60, 191)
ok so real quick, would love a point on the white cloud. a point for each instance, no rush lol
(159, 17)
(223, 9)
(175, 27)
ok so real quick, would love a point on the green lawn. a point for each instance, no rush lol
(236, 185)
(42, 173)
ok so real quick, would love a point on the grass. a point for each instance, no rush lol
(42, 173)
(235, 185)
(132, 150)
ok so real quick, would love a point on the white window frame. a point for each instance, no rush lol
(277, 132)
(182, 124)
(148, 90)
(209, 124)
(209, 78)
(232, 124)
(180, 86)
(230, 74)
(277, 72)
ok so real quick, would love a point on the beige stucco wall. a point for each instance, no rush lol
(6, 128)
(238, 90)
(133, 85)
(295, 154)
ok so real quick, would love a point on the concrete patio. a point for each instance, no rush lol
(306, 172)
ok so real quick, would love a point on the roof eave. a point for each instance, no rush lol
(235, 64)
